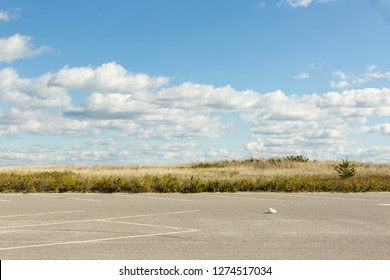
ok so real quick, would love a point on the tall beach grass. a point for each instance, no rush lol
(271, 175)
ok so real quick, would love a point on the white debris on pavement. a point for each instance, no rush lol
(272, 211)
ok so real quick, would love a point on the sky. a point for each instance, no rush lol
(150, 82)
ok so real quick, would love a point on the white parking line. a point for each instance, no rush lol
(3, 200)
(42, 195)
(241, 197)
(97, 219)
(39, 214)
(383, 204)
(138, 224)
(65, 197)
(283, 220)
(96, 240)
(85, 199)
(160, 198)
(334, 198)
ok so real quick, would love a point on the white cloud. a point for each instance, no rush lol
(296, 3)
(379, 128)
(302, 76)
(340, 80)
(377, 153)
(19, 47)
(302, 3)
(4, 16)
(9, 14)
(372, 73)
(107, 78)
(318, 126)
(37, 122)
(146, 119)
(30, 93)
(115, 150)
(182, 111)
(189, 95)
(315, 125)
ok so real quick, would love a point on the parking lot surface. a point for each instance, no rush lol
(202, 226)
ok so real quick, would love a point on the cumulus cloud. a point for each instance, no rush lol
(19, 47)
(107, 78)
(358, 104)
(146, 119)
(189, 95)
(315, 125)
(30, 93)
(14, 121)
(116, 150)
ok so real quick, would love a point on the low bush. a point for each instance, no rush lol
(298, 158)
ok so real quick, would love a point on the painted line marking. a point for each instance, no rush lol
(247, 198)
(42, 195)
(3, 200)
(381, 194)
(138, 224)
(64, 197)
(85, 199)
(96, 240)
(334, 198)
(40, 214)
(384, 204)
(159, 198)
(97, 219)
(282, 220)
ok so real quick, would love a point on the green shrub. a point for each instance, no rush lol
(298, 158)
(167, 183)
(345, 169)
(110, 184)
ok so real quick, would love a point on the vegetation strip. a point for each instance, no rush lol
(291, 174)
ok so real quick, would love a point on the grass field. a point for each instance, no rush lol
(272, 175)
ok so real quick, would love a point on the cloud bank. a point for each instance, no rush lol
(139, 119)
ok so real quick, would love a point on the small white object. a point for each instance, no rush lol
(271, 211)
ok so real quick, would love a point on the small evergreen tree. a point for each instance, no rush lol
(345, 169)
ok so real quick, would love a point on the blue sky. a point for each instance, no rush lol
(115, 82)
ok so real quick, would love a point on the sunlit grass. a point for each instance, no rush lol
(275, 174)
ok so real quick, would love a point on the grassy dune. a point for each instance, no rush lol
(276, 174)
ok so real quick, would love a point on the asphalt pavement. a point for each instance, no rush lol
(206, 226)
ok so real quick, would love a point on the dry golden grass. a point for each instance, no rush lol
(278, 174)
(227, 169)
